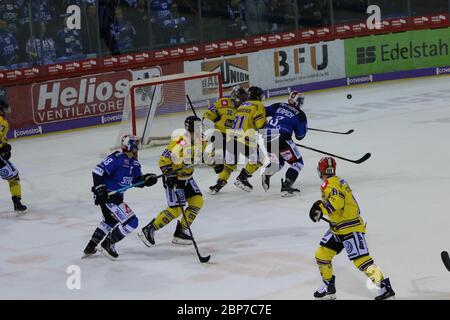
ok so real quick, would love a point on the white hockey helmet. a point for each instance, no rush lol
(130, 143)
(296, 99)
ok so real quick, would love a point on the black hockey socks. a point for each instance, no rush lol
(291, 175)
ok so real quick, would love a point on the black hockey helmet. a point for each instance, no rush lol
(255, 93)
(239, 94)
(191, 122)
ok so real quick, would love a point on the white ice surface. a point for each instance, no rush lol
(262, 245)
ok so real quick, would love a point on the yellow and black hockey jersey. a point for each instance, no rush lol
(248, 119)
(341, 207)
(4, 128)
(222, 114)
(180, 155)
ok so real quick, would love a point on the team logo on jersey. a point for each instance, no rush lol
(324, 184)
(287, 155)
(348, 247)
(4, 173)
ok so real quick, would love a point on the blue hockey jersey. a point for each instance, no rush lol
(118, 171)
(161, 9)
(287, 120)
(8, 49)
(124, 33)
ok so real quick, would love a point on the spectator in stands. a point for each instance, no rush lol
(41, 48)
(122, 32)
(160, 11)
(8, 46)
(277, 15)
(105, 20)
(236, 10)
(255, 15)
(140, 19)
(68, 42)
(313, 13)
(175, 25)
(9, 12)
(39, 11)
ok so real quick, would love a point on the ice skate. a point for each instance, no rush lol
(18, 206)
(217, 187)
(181, 235)
(242, 181)
(147, 235)
(386, 292)
(90, 249)
(328, 291)
(108, 250)
(287, 190)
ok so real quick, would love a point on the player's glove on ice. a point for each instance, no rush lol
(315, 213)
(5, 151)
(100, 194)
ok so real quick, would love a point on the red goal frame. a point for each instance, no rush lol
(164, 80)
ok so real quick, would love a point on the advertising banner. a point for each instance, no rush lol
(77, 98)
(273, 68)
(76, 102)
(234, 69)
(296, 65)
(396, 52)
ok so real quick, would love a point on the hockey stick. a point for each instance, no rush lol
(358, 161)
(446, 259)
(202, 259)
(140, 183)
(325, 219)
(335, 132)
(192, 107)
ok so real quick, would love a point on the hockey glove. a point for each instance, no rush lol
(218, 168)
(5, 151)
(100, 194)
(150, 179)
(315, 213)
(171, 182)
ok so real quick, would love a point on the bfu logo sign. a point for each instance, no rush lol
(285, 60)
(73, 21)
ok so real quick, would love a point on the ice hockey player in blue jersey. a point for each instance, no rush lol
(287, 119)
(118, 170)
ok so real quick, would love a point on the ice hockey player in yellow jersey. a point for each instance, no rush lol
(8, 171)
(248, 119)
(347, 230)
(176, 162)
(222, 112)
(220, 116)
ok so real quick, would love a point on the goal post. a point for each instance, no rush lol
(151, 102)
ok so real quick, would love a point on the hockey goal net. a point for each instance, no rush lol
(155, 107)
